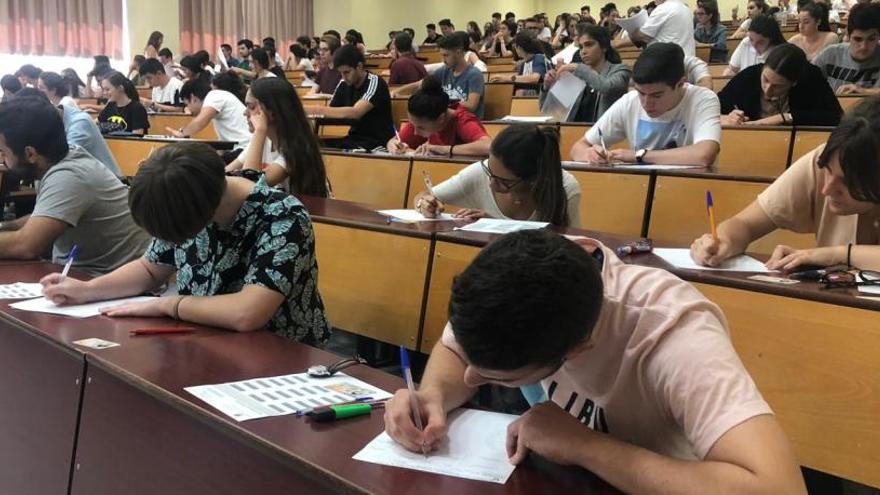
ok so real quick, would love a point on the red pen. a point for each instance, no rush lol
(161, 331)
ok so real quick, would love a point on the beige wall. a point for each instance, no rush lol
(144, 17)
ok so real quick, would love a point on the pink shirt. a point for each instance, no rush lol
(662, 374)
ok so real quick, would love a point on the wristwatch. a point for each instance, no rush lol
(640, 156)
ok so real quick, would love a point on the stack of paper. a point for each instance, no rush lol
(496, 226)
(474, 449)
(634, 23)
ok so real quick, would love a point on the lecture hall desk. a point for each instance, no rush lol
(130, 151)
(139, 432)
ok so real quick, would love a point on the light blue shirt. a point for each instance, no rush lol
(82, 131)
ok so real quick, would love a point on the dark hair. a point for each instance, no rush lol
(151, 66)
(72, 82)
(304, 40)
(455, 41)
(268, 41)
(864, 17)
(761, 4)
(532, 153)
(295, 139)
(509, 15)
(10, 83)
(357, 35)
(333, 32)
(198, 87)
(446, 22)
(600, 35)
(523, 282)
(410, 32)
(246, 43)
(431, 26)
(203, 57)
(117, 79)
(260, 56)
(33, 93)
(101, 59)
(473, 27)
(789, 61)
(430, 101)
(226, 46)
(348, 55)
(586, 7)
(607, 8)
(155, 39)
(511, 26)
(139, 59)
(819, 12)
(230, 81)
(299, 51)
(711, 8)
(43, 129)
(165, 52)
(767, 27)
(659, 62)
(351, 39)
(177, 190)
(496, 15)
(55, 83)
(194, 64)
(30, 71)
(332, 43)
(528, 42)
(403, 43)
(856, 141)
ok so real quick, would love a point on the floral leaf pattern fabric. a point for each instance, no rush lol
(270, 243)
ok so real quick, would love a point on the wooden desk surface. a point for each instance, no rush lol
(123, 453)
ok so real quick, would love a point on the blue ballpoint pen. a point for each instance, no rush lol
(70, 256)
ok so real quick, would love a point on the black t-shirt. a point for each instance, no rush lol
(130, 118)
(376, 127)
(432, 40)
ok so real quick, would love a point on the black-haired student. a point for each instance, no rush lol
(645, 388)
(79, 201)
(853, 68)
(216, 106)
(521, 180)
(123, 111)
(832, 192)
(244, 47)
(436, 129)
(56, 89)
(165, 95)
(243, 253)
(665, 120)
(406, 68)
(327, 77)
(433, 36)
(362, 97)
(785, 90)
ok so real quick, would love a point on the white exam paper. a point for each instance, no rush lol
(651, 166)
(280, 395)
(498, 226)
(681, 258)
(631, 24)
(415, 216)
(43, 305)
(474, 449)
(21, 290)
(521, 118)
(871, 290)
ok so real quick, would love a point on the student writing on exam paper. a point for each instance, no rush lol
(165, 95)
(283, 146)
(79, 201)
(666, 120)
(600, 67)
(785, 90)
(832, 192)
(243, 253)
(521, 180)
(435, 128)
(216, 106)
(645, 388)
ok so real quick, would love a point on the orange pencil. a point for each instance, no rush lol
(710, 206)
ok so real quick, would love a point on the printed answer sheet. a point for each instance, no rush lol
(681, 258)
(43, 305)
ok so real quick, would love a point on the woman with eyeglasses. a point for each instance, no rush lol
(522, 180)
(710, 32)
(785, 90)
(832, 192)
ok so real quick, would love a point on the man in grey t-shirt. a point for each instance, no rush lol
(79, 201)
(854, 68)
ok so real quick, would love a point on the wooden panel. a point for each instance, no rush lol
(378, 63)
(806, 141)
(732, 44)
(497, 98)
(159, 121)
(449, 260)
(431, 57)
(135, 444)
(372, 282)
(495, 68)
(130, 152)
(703, 53)
(717, 70)
(303, 90)
(612, 203)
(438, 171)
(848, 102)
(39, 400)
(568, 135)
(525, 107)
(817, 366)
(719, 82)
(757, 152)
(334, 131)
(379, 182)
(144, 91)
(490, 61)
(679, 216)
(495, 128)
(399, 111)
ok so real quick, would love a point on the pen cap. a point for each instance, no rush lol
(404, 358)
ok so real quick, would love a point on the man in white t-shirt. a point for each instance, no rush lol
(641, 383)
(165, 95)
(214, 105)
(670, 22)
(665, 119)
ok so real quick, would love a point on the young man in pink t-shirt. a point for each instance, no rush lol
(645, 389)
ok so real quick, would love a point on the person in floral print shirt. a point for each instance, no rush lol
(244, 253)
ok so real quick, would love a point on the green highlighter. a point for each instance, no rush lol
(333, 413)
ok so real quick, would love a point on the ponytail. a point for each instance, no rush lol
(532, 153)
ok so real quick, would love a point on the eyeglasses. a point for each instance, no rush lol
(843, 279)
(507, 184)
